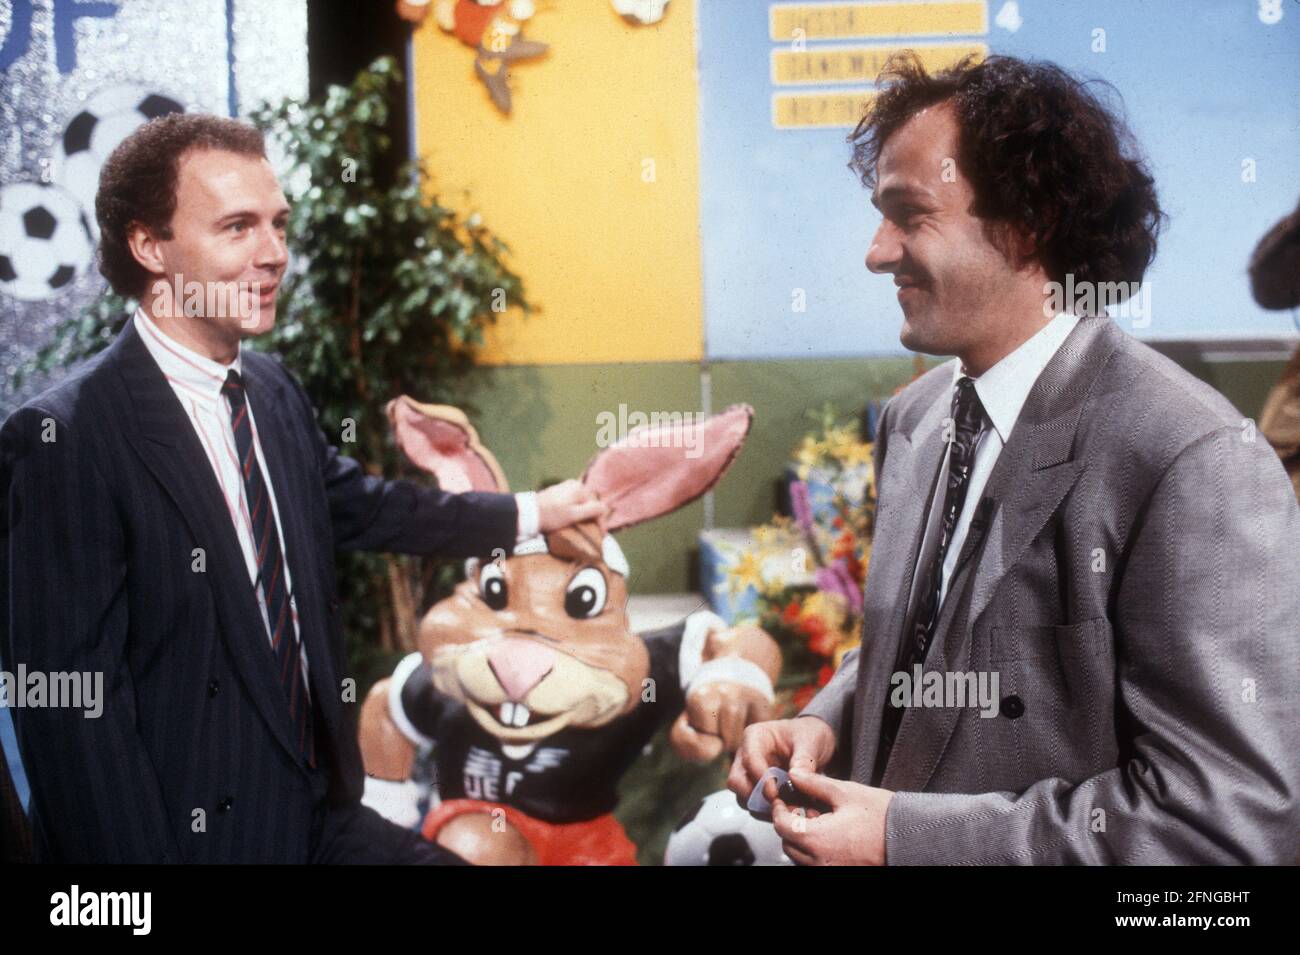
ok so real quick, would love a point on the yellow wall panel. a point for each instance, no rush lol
(613, 260)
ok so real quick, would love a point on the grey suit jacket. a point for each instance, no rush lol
(1133, 578)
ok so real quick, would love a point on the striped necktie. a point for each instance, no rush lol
(270, 571)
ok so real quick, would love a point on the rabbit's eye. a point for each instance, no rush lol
(492, 586)
(585, 595)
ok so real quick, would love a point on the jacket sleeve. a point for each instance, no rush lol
(1208, 691)
(95, 793)
(834, 702)
(373, 514)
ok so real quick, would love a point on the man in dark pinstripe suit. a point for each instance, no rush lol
(172, 512)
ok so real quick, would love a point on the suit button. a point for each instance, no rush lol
(213, 687)
(1012, 707)
(225, 804)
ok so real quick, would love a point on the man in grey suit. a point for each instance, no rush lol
(1080, 618)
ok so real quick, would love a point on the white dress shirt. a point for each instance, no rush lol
(197, 381)
(1002, 391)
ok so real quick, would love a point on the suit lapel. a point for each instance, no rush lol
(165, 439)
(907, 483)
(1033, 474)
(1037, 468)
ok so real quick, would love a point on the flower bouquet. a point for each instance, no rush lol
(833, 503)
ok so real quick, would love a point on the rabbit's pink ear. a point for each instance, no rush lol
(439, 439)
(657, 468)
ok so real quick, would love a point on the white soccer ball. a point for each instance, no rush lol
(44, 240)
(720, 832)
(92, 133)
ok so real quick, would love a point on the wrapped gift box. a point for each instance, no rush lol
(724, 550)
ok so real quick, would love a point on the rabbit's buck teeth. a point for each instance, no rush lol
(513, 714)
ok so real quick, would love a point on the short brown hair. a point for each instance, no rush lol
(1043, 153)
(138, 185)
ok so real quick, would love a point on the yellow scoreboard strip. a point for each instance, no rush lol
(806, 110)
(855, 20)
(859, 64)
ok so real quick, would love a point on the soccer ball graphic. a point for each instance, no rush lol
(44, 240)
(108, 118)
(720, 832)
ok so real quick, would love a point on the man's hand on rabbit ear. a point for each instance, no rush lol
(569, 502)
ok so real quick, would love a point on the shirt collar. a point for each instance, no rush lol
(1004, 387)
(196, 374)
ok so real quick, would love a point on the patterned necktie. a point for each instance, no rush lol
(270, 570)
(968, 419)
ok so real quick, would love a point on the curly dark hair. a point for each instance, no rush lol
(138, 185)
(1044, 154)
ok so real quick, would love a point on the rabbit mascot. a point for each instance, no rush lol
(529, 683)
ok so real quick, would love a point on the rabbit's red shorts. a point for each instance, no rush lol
(599, 841)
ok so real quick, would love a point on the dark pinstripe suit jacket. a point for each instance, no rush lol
(1133, 578)
(191, 759)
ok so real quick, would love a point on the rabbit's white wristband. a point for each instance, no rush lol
(733, 670)
(690, 653)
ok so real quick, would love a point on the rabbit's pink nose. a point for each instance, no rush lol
(519, 665)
